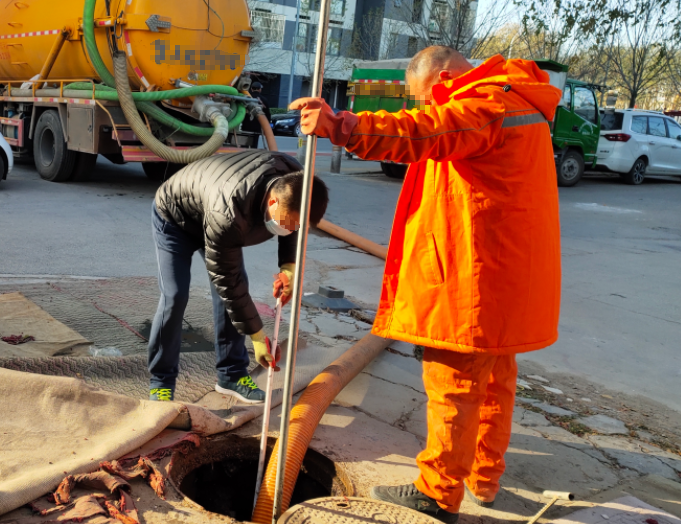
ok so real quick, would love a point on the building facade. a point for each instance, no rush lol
(358, 30)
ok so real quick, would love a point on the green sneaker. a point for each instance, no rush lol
(410, 497)
(162, 394)
(243, 389)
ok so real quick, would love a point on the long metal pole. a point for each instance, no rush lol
(294, 55)
(317, 81)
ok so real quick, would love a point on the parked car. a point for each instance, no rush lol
(637, 143)
(6, 158)
(288, 123)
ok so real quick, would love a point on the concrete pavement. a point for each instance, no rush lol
(617, 357)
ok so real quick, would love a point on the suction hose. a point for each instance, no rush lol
(148, 139)
(305, 418)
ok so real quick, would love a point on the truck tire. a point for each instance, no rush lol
(570, 168)
(84, 167)
(53, 160)
(637, 174)
(394, 170)
(160, 171)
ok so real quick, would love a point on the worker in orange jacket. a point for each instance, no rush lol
(473, 266)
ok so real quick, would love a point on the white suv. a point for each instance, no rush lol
(638, 143)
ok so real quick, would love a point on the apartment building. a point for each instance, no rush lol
(358, 30)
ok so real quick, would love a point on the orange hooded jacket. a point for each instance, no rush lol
(474, 258)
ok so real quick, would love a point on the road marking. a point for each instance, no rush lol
(600, 208)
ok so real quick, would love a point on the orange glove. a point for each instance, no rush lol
(282, 283)
(317, 118)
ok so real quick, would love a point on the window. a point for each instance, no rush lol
(307, 39)
(567, 98)
(337, 6)
(418, 10)
(439, 17)
(639, 124)
(333, 43)
(674, 130)
(585, 104)
(268, 27)
(656, 126)
(611, 121)
(412, 46)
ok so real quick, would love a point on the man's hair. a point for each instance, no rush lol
(434, 59)
(289, 189)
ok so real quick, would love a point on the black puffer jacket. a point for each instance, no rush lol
(221, 201)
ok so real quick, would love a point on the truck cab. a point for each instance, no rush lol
(576, 127)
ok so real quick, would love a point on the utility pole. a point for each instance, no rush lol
(294, 54)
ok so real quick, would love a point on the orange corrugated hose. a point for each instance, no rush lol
(305, 417)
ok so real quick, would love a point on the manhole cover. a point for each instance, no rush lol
(351, 510)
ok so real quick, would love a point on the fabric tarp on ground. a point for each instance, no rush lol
(50, 425)
(18, 315)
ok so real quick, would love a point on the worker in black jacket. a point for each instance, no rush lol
(218, 206)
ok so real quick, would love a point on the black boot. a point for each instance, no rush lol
(410, 497)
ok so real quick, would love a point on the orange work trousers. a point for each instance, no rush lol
(470, 411)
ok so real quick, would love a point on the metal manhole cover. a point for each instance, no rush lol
(351, 510)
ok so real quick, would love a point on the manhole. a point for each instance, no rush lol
(351, 510)
(219, 476)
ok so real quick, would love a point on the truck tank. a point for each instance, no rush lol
(200, 42)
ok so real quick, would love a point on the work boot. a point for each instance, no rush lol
(410, 497)
(476, 500)
(162, 394)
(244, 389)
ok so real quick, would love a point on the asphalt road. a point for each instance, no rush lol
(621, 311)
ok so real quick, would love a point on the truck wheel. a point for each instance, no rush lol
(53, 160)
(160, 171)
(394, 170)
(570, 169)
(637, 173)
(84, 167)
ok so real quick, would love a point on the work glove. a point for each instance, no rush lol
(283, 283)
(317, 118)
(263, 350)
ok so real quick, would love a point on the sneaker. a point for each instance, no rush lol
(162, 394)
(243, 389)
(476, 500)
(410, 497)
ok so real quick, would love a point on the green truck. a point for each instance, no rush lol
(575, 129)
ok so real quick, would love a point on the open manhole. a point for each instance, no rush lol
(219, 476)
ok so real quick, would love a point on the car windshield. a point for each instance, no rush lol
(611, 121)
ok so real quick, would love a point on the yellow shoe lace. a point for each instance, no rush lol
(163, 394)
(248, 382)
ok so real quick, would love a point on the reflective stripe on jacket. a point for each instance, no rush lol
(474, 258)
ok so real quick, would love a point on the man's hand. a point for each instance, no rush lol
(263, 350)
(283, 283)
(317, 118)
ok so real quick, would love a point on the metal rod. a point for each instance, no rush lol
(317, 82)
(268, 405)
(54, 53)
(294, 54)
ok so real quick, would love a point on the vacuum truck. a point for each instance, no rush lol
(153, 81)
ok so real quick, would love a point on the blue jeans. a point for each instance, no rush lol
(174, 250)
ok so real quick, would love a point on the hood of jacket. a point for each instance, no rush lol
(524, 76)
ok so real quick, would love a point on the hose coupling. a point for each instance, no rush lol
(254, 109)
(206, 108)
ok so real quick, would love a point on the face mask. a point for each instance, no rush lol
(274, 227)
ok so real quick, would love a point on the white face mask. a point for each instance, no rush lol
(274, 227)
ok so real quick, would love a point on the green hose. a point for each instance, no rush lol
(143, 100)
(103, 92)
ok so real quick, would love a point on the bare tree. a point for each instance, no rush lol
(637, 52)
(266, 48)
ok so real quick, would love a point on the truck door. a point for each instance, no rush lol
(585, 122)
